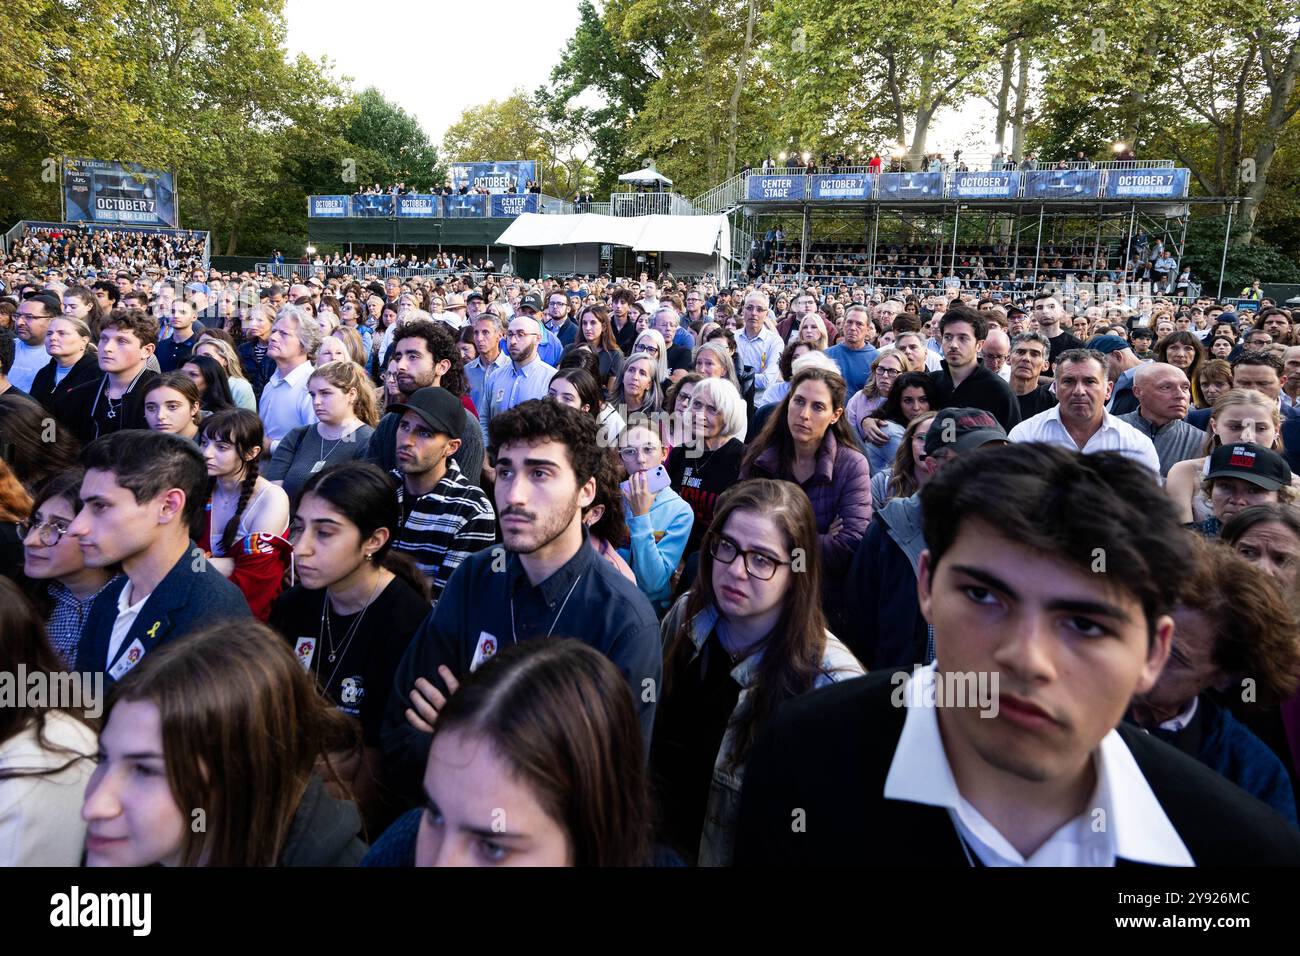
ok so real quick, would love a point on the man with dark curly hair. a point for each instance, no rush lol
(546, 581)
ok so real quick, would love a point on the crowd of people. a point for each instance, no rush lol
(997, 268)
(448, 189)
(598, 571)
(898, 161)
(83, 249)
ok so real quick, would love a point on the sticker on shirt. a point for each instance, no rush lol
(485, 651)
(128, 660)
(658, 535)
(501, 394)
(305, 649)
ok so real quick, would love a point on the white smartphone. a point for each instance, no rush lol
(658, 477)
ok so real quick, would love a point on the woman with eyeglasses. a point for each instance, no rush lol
(651, 343)
(61, 579)
(749, 635)
(885, 369)
(911, 394)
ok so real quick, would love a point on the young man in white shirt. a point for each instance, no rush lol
(1009, 750)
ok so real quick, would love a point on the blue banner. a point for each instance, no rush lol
(512, 204)
(373, 207)
(1146, 183)
(416, 206)
(1062, 184)
(986, 185)
(464, 207)
(102, 191)
(919, 185)
(843, 186)
(767, 188)
(329, 207)
(497, 177)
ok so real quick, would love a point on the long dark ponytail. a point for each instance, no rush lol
(243, 429)
(366, 496)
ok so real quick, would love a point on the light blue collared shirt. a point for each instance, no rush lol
(511, 385)
(477, 372)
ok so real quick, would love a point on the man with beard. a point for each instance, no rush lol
(426, 354)
(547, 582)
(526, 377)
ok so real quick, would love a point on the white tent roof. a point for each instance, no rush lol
(645, 176)
(702, 235)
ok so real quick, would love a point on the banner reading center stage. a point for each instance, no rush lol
(778, 188)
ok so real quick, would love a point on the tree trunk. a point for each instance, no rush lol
(1004, 91)
(1022, 94)
(1281, 80)
(740, 85)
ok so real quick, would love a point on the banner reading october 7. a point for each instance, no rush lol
(496, 177)
(104, 191)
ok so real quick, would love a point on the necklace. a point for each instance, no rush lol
(324, 455)
(327, 632)
(514, 638)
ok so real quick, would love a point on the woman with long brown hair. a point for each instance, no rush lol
(749, 635)
(45, 751)
(906, 475)
(1184, 350)
(541, 745)
(808, 440)
(595, 330)
(227, 724)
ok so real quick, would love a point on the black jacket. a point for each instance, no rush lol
(828, 753)
(884, 624)
(48, 394)
(981, 389)
(76, 407)
(324, 831)
(257, 373)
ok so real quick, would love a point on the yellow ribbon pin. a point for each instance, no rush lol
(153, 631)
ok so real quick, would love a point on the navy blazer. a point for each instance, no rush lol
(184, 601)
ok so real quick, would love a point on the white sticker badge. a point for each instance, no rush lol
(128, 660)
(485, 650)
(305, 649)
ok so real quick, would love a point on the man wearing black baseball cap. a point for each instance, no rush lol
(881, 590)
(1243, 474)
(444, 518)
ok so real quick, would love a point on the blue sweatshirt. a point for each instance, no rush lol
(658, 540)
(855, 364)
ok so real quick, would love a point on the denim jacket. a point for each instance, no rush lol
(717, 842)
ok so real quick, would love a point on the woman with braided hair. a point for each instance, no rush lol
(246, 517)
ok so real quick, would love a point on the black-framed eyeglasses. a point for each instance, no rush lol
(758, 564)
(48, 532)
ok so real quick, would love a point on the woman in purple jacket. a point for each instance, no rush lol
(808, 441)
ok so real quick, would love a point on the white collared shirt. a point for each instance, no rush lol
(1124, 819)
(286, 403)
(1113, 435)
(762, 353)
(126, 615)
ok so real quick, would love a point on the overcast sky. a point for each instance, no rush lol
(408, 52)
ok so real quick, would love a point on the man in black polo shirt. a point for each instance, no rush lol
(621, 321)
(1048, 313)
(1009, 750)
(962, 381)
(547, 581)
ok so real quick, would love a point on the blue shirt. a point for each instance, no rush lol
(512, 385)
(484, 608)
(855, 364)
(476, 373)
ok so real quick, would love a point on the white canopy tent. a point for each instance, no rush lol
(645, 177)
(698, 235)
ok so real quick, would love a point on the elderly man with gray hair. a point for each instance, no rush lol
(680, 359)
(286, 404)
(1163, 395)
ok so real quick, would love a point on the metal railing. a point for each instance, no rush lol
(721, 198)
(650, 204)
